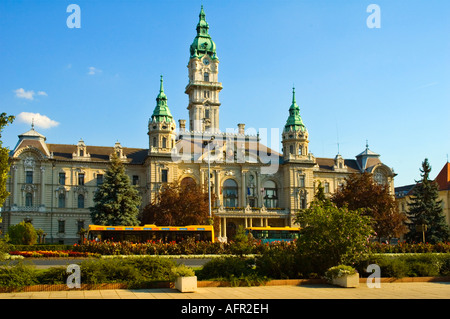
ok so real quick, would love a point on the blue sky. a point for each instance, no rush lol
(388, 85)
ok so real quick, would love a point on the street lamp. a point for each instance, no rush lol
(206, 143)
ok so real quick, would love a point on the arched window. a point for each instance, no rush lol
(29, 200)
(187, 182)
(206, 77)
(164, 142)
(61, 200)
(270, 194)
(80, 201)
(230, 193)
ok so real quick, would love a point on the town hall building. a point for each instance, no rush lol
(53, 185)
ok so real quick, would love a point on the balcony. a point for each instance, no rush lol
(40, 208)
(250, 211)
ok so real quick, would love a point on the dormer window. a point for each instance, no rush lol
(118, 149)
(81, 152)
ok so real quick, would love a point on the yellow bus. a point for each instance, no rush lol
(150, 233)
(270, 234)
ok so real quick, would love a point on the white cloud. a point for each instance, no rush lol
(94, 70)
(21, 93)
(29, 95)
(39, 120)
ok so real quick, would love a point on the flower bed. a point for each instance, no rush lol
(52, 253)
(404, 247)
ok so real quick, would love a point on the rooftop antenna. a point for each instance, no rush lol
(337, 137)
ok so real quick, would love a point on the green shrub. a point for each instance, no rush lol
(181, 271)
(279, 263)
(17, 276)
(423, 265)
(52, 276)
(225, 267)
(445, 266)
(152, 268)
(22, 233)
(339, 271)
(332, 236)
(392, 266)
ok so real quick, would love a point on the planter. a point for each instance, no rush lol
(186, 284)
(347, 281)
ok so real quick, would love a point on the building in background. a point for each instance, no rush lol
(53, 185)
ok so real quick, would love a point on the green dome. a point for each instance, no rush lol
(161, 113)
(294, 121)
(203, 44)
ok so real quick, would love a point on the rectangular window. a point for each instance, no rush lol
(29, 177)
(81, 179)
(62, 178)
(135, 180)
(302, 181)
(164, 175)
(99, 179)
(61, 226)
(327, 188)
(80, 225)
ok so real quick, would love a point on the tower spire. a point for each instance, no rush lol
(203, 44)
(294, 121)
(162, 112)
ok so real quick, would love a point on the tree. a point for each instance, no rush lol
(331, 236)
(374, 200)
(178, 205)
(425, 209)
(116, 200)
(22, 233)
(320, 195)
(4, 158)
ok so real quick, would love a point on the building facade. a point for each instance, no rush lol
(53, 185)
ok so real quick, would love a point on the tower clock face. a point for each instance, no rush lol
(205, 61)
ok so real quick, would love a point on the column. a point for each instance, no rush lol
(224, 227)
(216, 183)
(42, 186)
(15, 190)
(258, 183)
(243, 189)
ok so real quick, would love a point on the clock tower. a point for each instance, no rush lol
(203, 87)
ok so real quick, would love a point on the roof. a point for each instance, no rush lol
(443, 178)
(327, 164)
(98, 153)
(403, 191)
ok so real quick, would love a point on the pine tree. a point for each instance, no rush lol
(320, 195)
(116, 201)
(425, 208)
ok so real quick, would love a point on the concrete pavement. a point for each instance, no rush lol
(404, 290)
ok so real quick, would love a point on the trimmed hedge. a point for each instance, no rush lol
(141, 272)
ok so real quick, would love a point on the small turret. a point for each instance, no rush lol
(161, 125)
(295, 135)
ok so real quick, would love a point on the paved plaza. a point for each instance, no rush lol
(407, 290)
